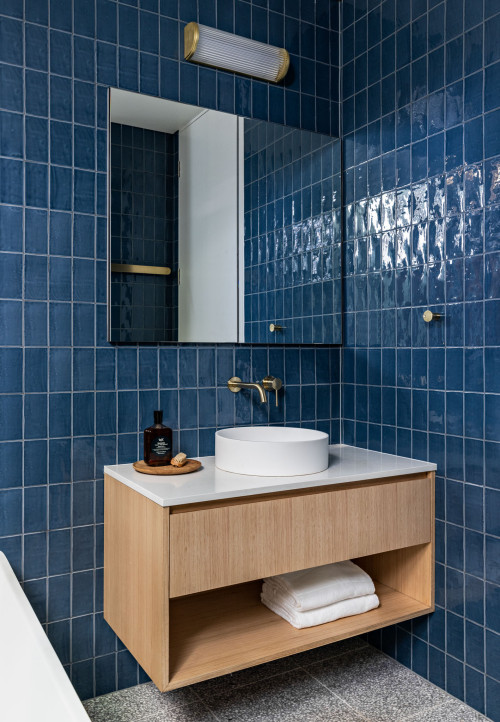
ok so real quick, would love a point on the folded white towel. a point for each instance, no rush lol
(311, 588)
(329, 613)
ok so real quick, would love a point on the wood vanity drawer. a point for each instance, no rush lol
(240, 540)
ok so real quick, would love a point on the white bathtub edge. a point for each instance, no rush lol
(19, 683)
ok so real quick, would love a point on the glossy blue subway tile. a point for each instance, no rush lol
(11, 514)
(474, 471)
(82, 601)
(492, 596)
(492, 418)
(83, 548)
(493, 655)
(35, 462)
(11, 465)
(36, 591)
(59, 635)
(84, 412)
(35, 509)
(492, 133)
(82, 674)
(492, 502)
(474, 553)
(474, 599)
(59, 599)
(59, 551)
(82, 638)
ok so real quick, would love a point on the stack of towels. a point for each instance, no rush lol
(314, 596)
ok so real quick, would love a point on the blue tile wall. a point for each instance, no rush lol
(421, 130)
(70, 402)
(293, 266)
(144, 231)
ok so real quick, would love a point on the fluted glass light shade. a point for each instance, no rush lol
(219, 49)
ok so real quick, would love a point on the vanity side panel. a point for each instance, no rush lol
(136, 592)
(228, 545)
(411, 570)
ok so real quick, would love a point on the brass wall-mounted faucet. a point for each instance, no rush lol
(269, 383)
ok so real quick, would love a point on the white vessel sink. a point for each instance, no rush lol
(271, 451)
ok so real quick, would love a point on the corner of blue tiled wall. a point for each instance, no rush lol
(69, 401)
(421, 130)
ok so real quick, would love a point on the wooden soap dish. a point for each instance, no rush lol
(168, 470)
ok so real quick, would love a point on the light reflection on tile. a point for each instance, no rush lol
(437, 197)
(403, 247)
(403, 207)
(419, 233)
(388, 211)
(436, 241)
(374, 224)
(474, 187)
(420, 203)
(454, 192)
(388, 250)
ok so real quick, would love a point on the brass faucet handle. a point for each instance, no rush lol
(271, 383)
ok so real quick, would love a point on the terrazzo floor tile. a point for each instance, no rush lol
(206, 690)
(228, 682)
(376, 686)
(348, 681)
(141, 702)
(293, 696)
(304, 659)
(453, 711)
(194, 713)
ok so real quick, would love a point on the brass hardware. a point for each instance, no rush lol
(133, 268)
(430, 316)
(284, 65)
(270, 383)
(235, 384)
(276, 327)
(191, 38)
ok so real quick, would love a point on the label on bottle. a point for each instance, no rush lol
(161, 446)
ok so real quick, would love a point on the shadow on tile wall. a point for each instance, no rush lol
(69, 402)
(421, 123)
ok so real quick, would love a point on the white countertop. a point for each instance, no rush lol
(347, 463)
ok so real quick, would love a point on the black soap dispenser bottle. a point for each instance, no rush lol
(158, 442)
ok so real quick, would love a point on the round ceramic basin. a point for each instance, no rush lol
(271, 451)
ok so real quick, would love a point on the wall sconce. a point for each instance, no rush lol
(219, 49)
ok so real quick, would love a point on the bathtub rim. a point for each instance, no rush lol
(67, 693)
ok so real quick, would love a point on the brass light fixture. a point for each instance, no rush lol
(226, 51)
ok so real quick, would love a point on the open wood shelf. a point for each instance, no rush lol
(229, 629)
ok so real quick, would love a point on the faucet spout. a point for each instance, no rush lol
(235, 384)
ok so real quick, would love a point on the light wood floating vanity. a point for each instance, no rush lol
(184, 557)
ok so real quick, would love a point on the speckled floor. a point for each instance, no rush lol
(345, 682)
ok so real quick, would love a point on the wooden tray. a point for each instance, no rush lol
(168, 470)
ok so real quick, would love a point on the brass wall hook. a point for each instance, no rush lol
(431, 316)
(273, 327)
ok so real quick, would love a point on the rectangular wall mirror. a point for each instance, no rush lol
(222, 229)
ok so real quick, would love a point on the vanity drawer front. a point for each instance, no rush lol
(238, 542)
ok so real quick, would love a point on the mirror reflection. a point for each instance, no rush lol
(221, 229)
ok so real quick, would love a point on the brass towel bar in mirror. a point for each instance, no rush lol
(132, 268)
